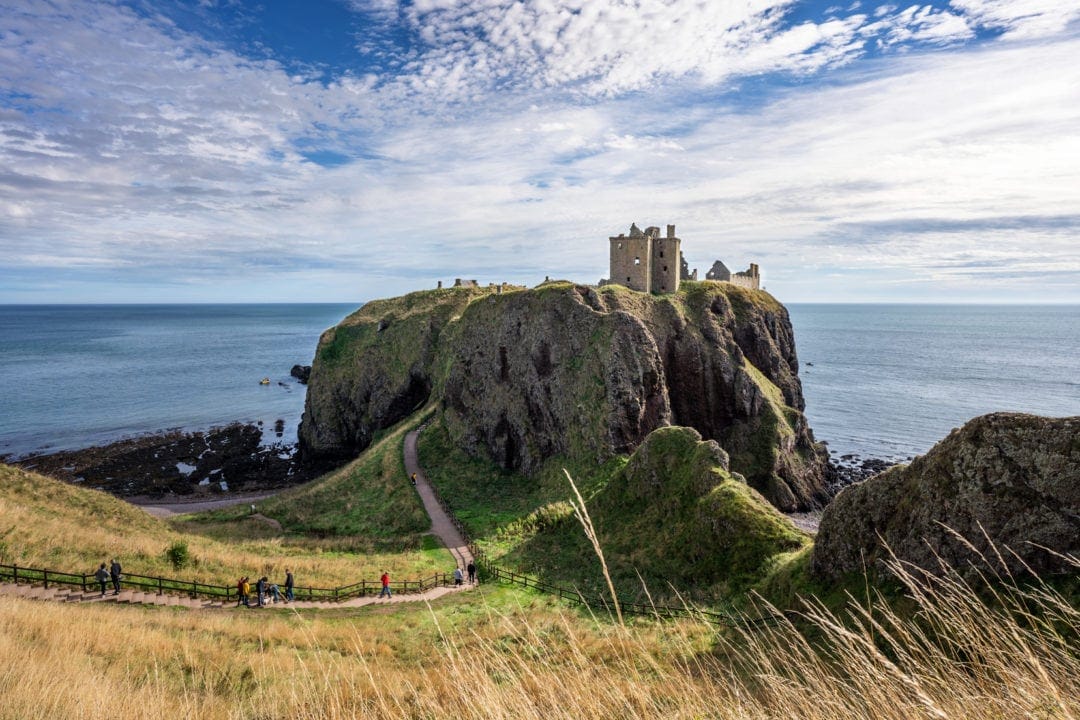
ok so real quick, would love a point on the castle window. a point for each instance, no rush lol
(665, 268)
(662, 255)
(627, 278)
(637, 261)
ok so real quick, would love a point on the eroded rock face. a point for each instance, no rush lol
(574, 370)
(1016, 477)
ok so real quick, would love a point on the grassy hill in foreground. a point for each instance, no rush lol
(499, 652)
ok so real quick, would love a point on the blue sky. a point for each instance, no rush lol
(342, 150)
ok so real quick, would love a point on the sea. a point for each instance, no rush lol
(74, 376)
(881, 381)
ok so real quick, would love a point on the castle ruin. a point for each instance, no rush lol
(750, 278)
(646, 262)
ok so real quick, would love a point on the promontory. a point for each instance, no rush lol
(521, 376)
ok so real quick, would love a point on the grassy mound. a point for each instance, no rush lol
(673, 517)
(671, 513)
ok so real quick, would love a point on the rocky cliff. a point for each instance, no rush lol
(525, 375)
(1013, 479)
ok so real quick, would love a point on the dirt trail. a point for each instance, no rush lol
(441, 524)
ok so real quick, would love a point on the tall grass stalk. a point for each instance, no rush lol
(582, 514)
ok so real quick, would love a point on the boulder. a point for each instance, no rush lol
(1007, 478)
(301, 373)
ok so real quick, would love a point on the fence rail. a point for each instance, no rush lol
(195, 589)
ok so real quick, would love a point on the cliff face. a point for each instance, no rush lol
(1014, 479)
(573, 370)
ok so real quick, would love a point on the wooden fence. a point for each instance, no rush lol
(195, 589)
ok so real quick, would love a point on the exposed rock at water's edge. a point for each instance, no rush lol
(525, 375)
(301, 373)
(177, 462)
(1007, 478)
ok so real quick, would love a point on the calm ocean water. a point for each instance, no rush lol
(889, 381)
(72, 376)
(886, 381)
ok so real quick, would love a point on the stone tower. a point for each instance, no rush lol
(646, 262)
(666, 260)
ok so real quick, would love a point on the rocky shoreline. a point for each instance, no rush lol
(852, 468)
(230, 459)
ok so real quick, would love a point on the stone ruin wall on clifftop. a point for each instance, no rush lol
(647, 262)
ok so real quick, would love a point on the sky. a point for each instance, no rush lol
(345, 150)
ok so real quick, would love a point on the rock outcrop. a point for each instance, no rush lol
(1007, 478)
(523, 376)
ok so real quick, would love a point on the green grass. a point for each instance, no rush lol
(370, 498)
(670, 513)
(497, 506)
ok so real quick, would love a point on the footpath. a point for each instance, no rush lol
(441, 526)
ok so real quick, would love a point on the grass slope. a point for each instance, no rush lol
(367, 505)
(48, 524)
(504, 653)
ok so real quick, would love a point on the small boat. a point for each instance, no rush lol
(264, 381)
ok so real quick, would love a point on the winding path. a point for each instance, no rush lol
(441, 526)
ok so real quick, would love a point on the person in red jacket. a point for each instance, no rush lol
(385, 585)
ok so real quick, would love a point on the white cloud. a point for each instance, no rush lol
(1021, 19)
(164, 158)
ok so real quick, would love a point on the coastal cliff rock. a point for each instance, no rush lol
(1014, 479)
(523, 376)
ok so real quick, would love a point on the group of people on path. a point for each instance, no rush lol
(265, 591)
(459, 577)
(114, 574)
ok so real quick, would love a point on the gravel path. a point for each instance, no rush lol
(165, 509)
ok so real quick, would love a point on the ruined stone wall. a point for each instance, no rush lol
(745, 281)
(631, 262)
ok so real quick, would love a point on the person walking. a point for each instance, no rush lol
(413, 479)
(288, 585)
(102, 576)
(472, 572)
(260, 588)
(115, 572)
(458, 577)
(385, 579)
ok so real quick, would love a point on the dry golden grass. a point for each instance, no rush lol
(482, 655)
(52, 525)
